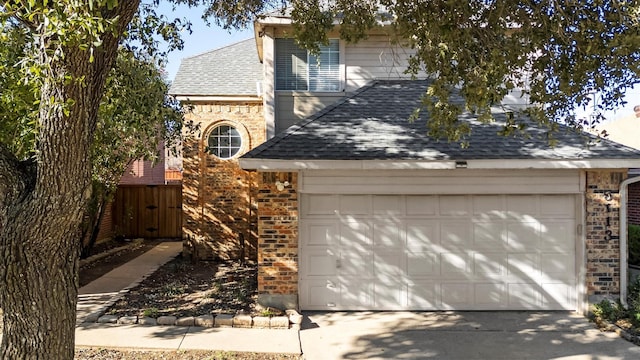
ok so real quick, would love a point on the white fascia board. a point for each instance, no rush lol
(197, 98)
(554, 164)
(295, 165)
(274, 20)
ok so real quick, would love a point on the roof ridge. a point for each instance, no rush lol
(217, 49)
(304, 122)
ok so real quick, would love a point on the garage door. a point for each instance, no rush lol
(437, 252)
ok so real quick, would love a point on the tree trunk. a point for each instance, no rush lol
(42, 206)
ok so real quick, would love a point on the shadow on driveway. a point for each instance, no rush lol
(458, 335)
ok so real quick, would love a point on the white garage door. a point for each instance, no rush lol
(430, 252)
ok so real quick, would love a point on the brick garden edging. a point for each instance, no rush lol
(291, 320)
(605, 325)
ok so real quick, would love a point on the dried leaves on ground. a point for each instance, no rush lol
(184, 288)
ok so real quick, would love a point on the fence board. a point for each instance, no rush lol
(148, 211)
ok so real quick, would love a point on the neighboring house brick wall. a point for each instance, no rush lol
(602, 233)
(633, 204)
(278, 241)
(144, 172)
(219, 198)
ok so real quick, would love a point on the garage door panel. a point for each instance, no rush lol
(522, 207)
(387, 235)
(318, 233)
(421, 264)
(320, 204)
(490, 295)
(523, 266)
(388, 205)
(355, 204)
(489, 265)
(390, 295)
(553, 234)
(456, 235)
(422, 295)
(557, 266)
(456, 296)
(454, 266)
(557, 296)
(489, 235)
(454, 205)
(523, 236)
(525, 296)
(320, 294)
(489, 207)
(421, 236)
(353, 263)
(319, 262)
(356, 294)
(355, 236)
(422, 205)
(556, 206)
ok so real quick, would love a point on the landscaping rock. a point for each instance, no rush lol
(261, 322)
(223, 320)
(186, 321)
(279, 322)
(294, 317)
(145, 320)
(167, 320)
(108, 319)
(204, 321)
(127, 320)
(242, 321)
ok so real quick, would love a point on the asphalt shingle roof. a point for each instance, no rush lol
(373, 125)
(230, 70)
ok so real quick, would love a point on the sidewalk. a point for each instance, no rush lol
(98, 295)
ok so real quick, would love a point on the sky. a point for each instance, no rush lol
(202, 39)
(205, 38)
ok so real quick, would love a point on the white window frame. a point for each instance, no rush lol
(234, 150)
(301, 67)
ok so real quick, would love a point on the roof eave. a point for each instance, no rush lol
(205, 98)
(493, 164)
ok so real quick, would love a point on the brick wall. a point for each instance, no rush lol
(278, 241)
(602, 232)
(219, 198)
(633, 204)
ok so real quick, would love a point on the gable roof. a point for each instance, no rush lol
(371, 129)
(230, 70)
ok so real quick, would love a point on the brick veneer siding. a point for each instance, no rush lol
(603, 233)
(278, 241)
(633, 204)
(219, 198)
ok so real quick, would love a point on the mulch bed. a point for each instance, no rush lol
(184, 288)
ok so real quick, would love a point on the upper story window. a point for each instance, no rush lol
(297, 69)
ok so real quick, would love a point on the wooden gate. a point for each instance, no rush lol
(148, 211)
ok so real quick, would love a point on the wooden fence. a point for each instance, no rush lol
(148, 211)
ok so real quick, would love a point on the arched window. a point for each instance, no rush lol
(224, 141)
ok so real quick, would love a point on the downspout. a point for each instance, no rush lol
(624, 186)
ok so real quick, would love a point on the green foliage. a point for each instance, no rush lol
(633, 237)
(151, 312)
(609, 311)
(633, 300)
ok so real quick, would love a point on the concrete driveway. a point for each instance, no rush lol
(458, 335)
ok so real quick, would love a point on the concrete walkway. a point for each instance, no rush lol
(98, 295)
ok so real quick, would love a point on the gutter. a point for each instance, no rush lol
(624, 251)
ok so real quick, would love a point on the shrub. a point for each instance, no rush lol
(633, 300)
(634, 244)
(151, 312)
(608, 310)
